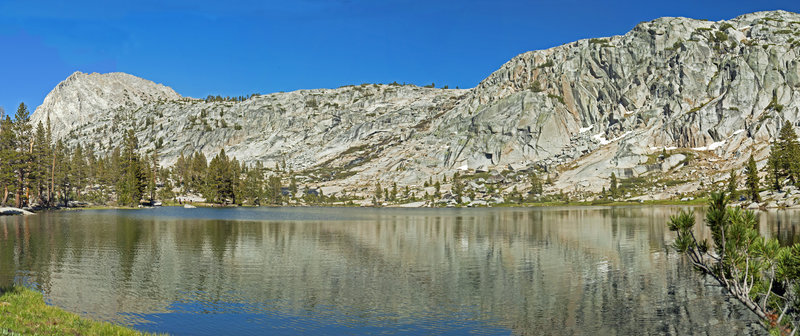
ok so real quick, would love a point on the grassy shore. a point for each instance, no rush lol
(24, 312)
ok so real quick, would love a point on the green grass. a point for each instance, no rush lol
(23, 312)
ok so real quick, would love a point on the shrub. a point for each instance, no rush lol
(536, 86)
(557, 97)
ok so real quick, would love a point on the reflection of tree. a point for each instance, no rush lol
(574, 270)
(129, 232)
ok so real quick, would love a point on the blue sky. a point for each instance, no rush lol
(238, 47)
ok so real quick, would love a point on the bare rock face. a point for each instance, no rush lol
(81, 98)
(584, 109)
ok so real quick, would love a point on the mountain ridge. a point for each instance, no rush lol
(715, 91)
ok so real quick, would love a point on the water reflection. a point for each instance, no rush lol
(495, 271)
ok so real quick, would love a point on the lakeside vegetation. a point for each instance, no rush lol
(755, 270)
(24, 312)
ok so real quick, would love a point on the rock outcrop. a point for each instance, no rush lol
(83, 98)
(716, 92)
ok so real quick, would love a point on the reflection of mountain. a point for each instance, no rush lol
(562, 271)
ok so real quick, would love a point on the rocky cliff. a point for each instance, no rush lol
(709, 93)
(83, 98)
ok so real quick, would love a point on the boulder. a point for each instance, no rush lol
(8, 211)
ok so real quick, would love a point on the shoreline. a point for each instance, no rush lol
(8, 211)
(23, 311)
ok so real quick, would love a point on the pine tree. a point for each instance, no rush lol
(219, 181)
(91, 165)
(49, 139)
(235, 175)
(7, 156)
(752, 181)
(536, 183)
(272, 191)
(183, 172)
(293, 186)
(114, 172)
(198, 172)
(166, 192)
(133, 181)
(22, 162)
(152, 175)
(254, 184)
(378, 191)
(784, 158)
(614, 188)
(41, 157)
(78, 167)
(790, 152)
(61, 172)
(458, 187)
(733, 182)
(774, 167)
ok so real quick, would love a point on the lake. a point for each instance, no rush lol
(287, 271)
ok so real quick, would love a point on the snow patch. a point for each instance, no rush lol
(710, 147)
(738, 131)
(584, 129)
(464, 167)
(604, 141)
(665, 148)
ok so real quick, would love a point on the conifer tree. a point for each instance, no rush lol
(773, 167)
(62, 171)
(132, 183)
(293, 186)
(254, 184)
(219, 182)
(790, 152)
(536, 183)
(22, 162)
(78, 167)
(733, 183)
(7, 140)
(752, 182)
(378, 191)
(273, 193)
(41, 157)
(49, 139)
(613, 189)
(784, 158)
(458, 187)
(198, 172)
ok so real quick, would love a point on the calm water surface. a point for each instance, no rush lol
(604, 271)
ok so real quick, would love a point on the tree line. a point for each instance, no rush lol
(36, 170)
(782, 168)
(39, 171)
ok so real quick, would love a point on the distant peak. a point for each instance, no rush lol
(774, 14)
(75, 75)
